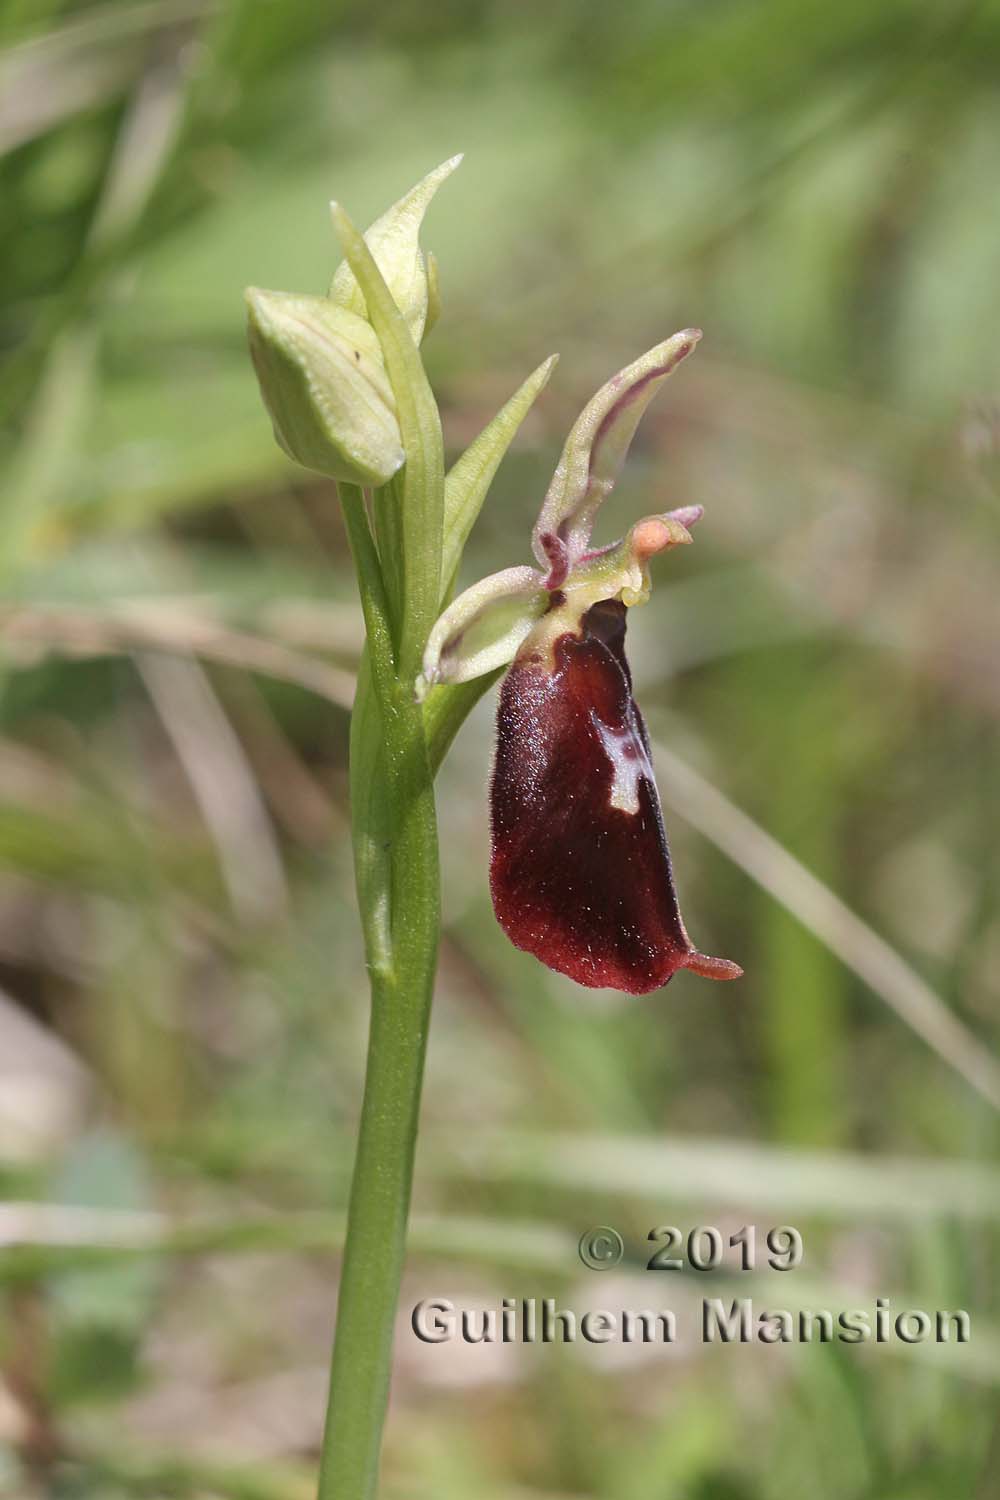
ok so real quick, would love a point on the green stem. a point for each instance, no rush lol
(406, 884)
(395, 749)
(394, 755)
(396, 864)
(376, 1241)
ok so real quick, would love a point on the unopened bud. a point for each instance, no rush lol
(325, 387)
(394, 241)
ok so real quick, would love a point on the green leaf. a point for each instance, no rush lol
(371, 824)
(45, 465)
(446, 709)
(371, 586)
(470, 477)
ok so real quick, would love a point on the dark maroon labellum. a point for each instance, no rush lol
(580, 870)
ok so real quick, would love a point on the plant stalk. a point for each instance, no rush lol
(396, 865)
(395, 749)
(375, 1245)
(406, 545)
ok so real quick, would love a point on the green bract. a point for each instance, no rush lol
(394, 243)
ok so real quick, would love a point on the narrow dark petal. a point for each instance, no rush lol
(580, 869)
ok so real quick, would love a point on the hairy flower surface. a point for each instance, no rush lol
(580, 870)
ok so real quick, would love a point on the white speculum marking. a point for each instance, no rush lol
(629, 763)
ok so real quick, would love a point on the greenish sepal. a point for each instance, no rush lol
(594, 453)
(325, 386)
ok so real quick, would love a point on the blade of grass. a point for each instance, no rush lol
(819, 909)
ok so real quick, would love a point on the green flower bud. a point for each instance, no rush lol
(323, 380)
(394, 243)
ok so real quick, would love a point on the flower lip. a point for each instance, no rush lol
(580, 870)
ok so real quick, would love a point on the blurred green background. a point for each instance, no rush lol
(182, 988)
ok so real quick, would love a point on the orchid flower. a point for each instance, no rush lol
(580, 870)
